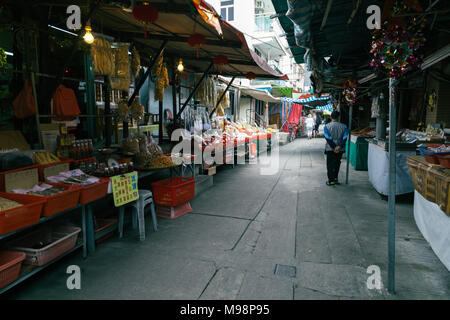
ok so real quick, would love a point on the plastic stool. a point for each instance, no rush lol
(145, 198)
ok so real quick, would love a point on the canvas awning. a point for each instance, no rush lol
(177, 20)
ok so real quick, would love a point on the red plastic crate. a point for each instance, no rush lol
(62, 201)
(173, 191)
(10, 264)
(21, 217)
(3, 173)
(104, 224)
(94, 191)
(173, 212)
(41, 167)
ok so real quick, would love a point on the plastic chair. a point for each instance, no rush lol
(145, 198)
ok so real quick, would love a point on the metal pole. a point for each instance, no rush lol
(160, 123)
(33, 84)
(349, 140)
(108, 127)
(392, 187)
(222, 96)
(197, 85)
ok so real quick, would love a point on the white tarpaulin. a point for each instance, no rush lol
(260, 95)
(378, 168)
(434, 225)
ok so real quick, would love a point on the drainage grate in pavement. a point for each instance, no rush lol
(285, 271)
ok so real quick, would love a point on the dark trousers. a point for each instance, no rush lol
(333, 164)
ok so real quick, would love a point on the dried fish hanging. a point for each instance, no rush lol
(207, 92)
(103, 57)
(135, 62)
(162, 79)
(122, 78)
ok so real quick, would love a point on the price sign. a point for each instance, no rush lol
(125, 188)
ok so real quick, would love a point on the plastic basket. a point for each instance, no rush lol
(173, 191)
(94, 192)
(173, 212)
(60, 238)
(20, 217)
(62, 201)
(3, 173)
(102, 225)
(10, 264)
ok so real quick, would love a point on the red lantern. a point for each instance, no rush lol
(220, 61)
(250, 76)
(197, 40)
(145, 13)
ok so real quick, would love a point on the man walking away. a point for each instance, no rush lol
(318, 123)
(336, 135)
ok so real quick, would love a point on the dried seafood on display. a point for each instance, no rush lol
(161, 162)
(162, 79)
(6, 204)
(137, 111)
(207, 93)
(123, 111)
(121, 78)
(131, 145)
(103, 57)
(225, 103)
(135, 62)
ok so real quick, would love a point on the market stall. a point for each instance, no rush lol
(378, 168)
(431, 204)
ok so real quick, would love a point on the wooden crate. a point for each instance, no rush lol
(431, 181)
(439, 180)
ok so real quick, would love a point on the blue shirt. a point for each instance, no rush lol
(336, 134)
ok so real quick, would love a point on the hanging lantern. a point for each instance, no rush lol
(145, 13)
(220, 61)
(197, 40)
(250, 76)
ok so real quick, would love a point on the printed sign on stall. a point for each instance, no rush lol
(125, 188)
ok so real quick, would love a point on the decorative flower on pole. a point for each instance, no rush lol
(220, 61)
(197, 40)
(145, 13)
(395, 47)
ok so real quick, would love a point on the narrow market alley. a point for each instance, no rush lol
(253, 236)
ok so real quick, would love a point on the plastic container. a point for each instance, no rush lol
(103, 224)
(94, 192)
(431, 158)
(173, 191)
(444, 161)
(59, 239)
(41, 167)
(3, 173)
(62, 201)
(173, 212)
(10, 264)
(20, 217)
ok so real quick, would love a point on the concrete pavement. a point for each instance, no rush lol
(322, 238)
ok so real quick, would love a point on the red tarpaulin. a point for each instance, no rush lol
(294, 117)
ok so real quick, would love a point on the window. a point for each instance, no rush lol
(227, 10)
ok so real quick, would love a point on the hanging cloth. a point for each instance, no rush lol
(65, 102)
(23, 104)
